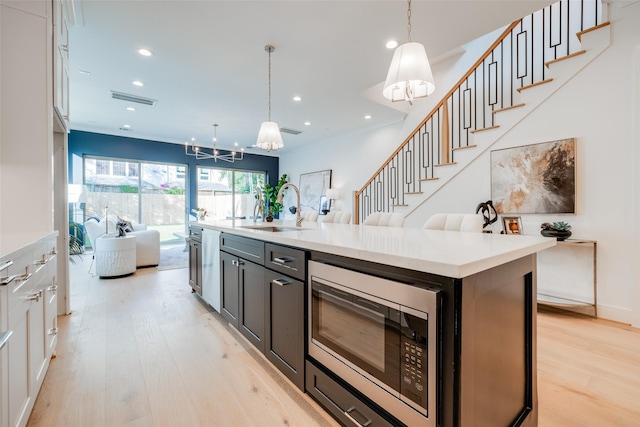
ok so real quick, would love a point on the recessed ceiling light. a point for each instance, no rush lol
(84, 72)
(131, 109)
(145, 52)
(137, 83)
(367, 117)
(307, 123)
(297, 98)
(126, 126)
(391, 44)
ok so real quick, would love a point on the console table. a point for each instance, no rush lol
(115, 256)
(567, 276)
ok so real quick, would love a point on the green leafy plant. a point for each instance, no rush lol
(556, 226)
(272, 207)
(76, 246)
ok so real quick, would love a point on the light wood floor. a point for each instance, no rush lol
(144, 351)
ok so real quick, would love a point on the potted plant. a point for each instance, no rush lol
(272, 207)
(560, 230)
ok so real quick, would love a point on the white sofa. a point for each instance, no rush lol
(147, 241)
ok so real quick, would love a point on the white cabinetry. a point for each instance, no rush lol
(26, 129)
(26, 311)
(63, 19)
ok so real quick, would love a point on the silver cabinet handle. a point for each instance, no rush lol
(53, 331)
(7, 280)
(347, 413)
(42, 261)
(52, 288)
(240, 262)
(283, 260)
(24, 277)
(234, 263)
(35, 297)
(6, 265)
(281, 282)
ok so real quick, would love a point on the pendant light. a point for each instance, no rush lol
(409, 74)
(215, 154)
(269, 137)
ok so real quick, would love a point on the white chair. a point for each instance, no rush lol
(309, 216)
(338, 217)
(147, 241)
(455, 222)
(385, 219)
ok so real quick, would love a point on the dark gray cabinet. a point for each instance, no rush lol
(195, 259)
(267, 305)
(242, 290)
(251, 313)
(229, 288)
(343, 403)
(285, 325)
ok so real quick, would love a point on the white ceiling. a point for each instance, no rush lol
(209, 64)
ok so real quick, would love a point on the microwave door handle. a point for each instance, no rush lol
(364, 423)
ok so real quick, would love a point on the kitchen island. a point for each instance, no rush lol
(482, 352)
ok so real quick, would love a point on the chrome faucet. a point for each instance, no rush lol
(279, 200)
(259, 207)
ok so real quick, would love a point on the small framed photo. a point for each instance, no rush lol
(512, 225)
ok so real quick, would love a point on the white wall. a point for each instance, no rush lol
(597, 108)
(635, 284)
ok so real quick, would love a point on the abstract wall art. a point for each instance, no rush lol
(535, 179)
(313, 186)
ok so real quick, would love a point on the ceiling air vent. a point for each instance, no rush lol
(291, 131)
(132, 98)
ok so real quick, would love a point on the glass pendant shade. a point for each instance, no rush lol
(409, 74)
(269, 137)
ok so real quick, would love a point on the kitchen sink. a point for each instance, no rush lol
(272, 228)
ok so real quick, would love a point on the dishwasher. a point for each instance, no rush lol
(211, 268)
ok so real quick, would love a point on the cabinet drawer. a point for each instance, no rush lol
(195, 233)
(341, 403)
(20, 279)
(285, 260)
(249, 249)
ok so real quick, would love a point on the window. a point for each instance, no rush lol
(148, 193)
(133, 169)
(102, 167)
(119, 169)
(228, 193)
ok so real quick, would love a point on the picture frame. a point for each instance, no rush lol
(313, 187)
(511, 225)
(535, 179)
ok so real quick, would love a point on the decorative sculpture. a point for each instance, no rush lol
(489, 214)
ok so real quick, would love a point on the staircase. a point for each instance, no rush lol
(527, 64)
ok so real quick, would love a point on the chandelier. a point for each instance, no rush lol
(409, 75)
(269, 137)
(215, 154)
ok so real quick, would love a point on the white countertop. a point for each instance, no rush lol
(447, 253)
(12, 242)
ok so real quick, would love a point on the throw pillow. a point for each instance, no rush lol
(124, 224)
